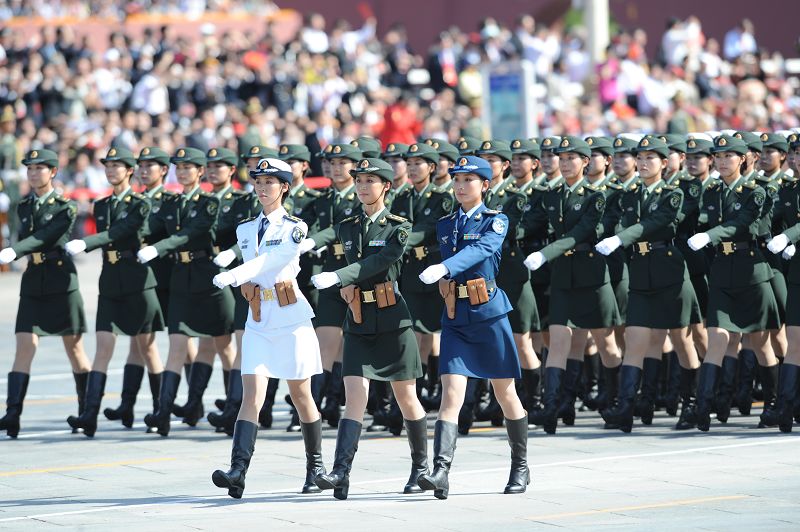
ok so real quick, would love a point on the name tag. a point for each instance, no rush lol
(469, 236)
(271, 242)
(377, 243)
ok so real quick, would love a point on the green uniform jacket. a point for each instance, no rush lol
(235, 206)
(374, 258)
(162, 267)
(511, 202)
(733, 216)
(328, 211)
(120, 226)
(45, 230)
(609, 225)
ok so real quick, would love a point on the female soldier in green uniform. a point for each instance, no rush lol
(50, 303)
(338, 203)
(661, 297)
(379, 342)
(153, 165)
(196, 308)
(127, 303)
(739, 272)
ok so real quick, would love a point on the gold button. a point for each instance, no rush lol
(455, 249)
(591, 254)
(513, 253)
(60, 263)
(752, 254)
(359, 254)
(669, 253)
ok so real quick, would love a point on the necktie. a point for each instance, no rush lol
(365, 226)
(462, 222)
(262, 229)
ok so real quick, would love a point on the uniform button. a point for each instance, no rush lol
(513, 253)
(591, 254)
(752, 254)
(60, 263)
(359, 255)
(669, 253)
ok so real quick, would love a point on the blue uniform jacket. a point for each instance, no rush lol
(472, 253)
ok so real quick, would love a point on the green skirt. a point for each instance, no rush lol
(584, 308)
(541, 294)
(389, 356)
(331, 309)
(778, 284)
(524, 316)
(700, 285)
(673, 307)
(51, 315)
(425, 310)
(201, 313)
(743, 310)
(131, 314)
(793, 305)
(621, 295)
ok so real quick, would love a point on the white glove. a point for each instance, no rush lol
(221, 280)
(778, 243)
(224, 258)
(325, 280)
(307, 244)
(74, 247)
(431, 274)
(788, 253)
(146, 254)
(535, 260)
(7, 255)
(699, 241)
(607, 246)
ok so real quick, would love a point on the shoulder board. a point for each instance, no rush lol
(714, 184)
(138, 196)
(349, 219)
(592, 187)
(239, 193)
(511, 188)
(540, 188)
(396, 218)
(61, 199)
(614, 186)
(451, 216)
(491, 212)
(313, 192)
(169, 194)
(247, 220)
(670, 187)
(686, 177)
(205, 194)
(27, 199)
(751, 185)
(291, 218)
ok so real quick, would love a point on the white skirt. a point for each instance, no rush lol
(284, 353)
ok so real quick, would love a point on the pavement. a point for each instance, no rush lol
(735, 476)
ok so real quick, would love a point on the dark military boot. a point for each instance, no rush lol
(265, 414)
(747, 370)
(651, 375)
(332, 411)
(244, 444)
(346, 446)
(80, 391)
(688, 387)
(672, 394)
(226, 421)
(417, 432)
(705, 395)
(520, 475)
(547, 416)
(620, 416)
(445, 435)
(95, 386)
(725, 389)
(17, 388)
(769, 381)
(787, 395)
(160, 419)
(569, 391)
(609, 388)
(466, 416)
(220, 403)
(312, 439)
(591, 382)
(198, 382)
(132, 376)
(155, 388)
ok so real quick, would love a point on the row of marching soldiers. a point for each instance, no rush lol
(643, 273)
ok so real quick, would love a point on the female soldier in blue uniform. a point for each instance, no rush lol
(50, 303)
(739, 273)
(476, 335)
(127, 303)
(379, 341)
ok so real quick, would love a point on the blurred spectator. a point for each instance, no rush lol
(740, 40)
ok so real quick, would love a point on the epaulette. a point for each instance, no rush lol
(540, 188)
(27, 199)
(61, 199)
(686, 177)
(451, 216)
(247, 220)
(138, 196)
(313, 192)
(396, 218)
(491, 212)
(670, 187)
(291, 218)
(751, 185)
(714, 184)
(350, 219)
(614, 186)
(592, 187)
(239, 193)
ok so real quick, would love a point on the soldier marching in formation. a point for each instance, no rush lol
(622, 274)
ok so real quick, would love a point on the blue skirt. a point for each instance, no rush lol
(485, 350)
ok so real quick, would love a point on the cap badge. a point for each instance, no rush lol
(414, 148)
(112, 152)
(645, 142)
(486, 145)
(181, 153)
(34, 154)
(212, 152)
(337, 149)
(722, 142)
(516, 144)
(364, 163)
(284, 149)
(462, 161)
(146, 151)
(565, 143)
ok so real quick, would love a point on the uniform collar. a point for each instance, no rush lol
(375, 217)
(423, 191)
(671, 179)
(578, 184)
(497, 187)
(222, 192)
(471, 211)
(628, 183)
(552, 184)
(736, 183)
(656, 184)
(275, 216)
(345, 192)
(121, 196)
(153, 192)
(191, 192)
(296, 189)
(42, 199)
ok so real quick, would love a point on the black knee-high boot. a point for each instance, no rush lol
(466, 416)
(726, 389)
(80, 391)
(609, 388)
(445, 435)
(227, 419)
(531, 396)
(672, 394)
(332, 411)
(787, 395)
(312, 439)
(198, 382)
(17, 388)
(591, 381)
(620, 416)
(547, 416)
(132, 376)
(651, 374)
(95, 386)
(688, 389)
(265, 414)
(747, 371)
(160, 419)
(155, 388)
(769, 382)
(432, 399)
(417, 432)
(244, 444)
(520, 475)
(220, 403)
(705, 394)
(346, 446)
(381, 398)
(569, 391)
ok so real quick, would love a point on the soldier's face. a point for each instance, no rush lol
(624, 164)
(298, 168)
(728, 163)
(649, 164)
(674, 161)
(326, 167)
(571, 165)
(151, 172)
(220, 173)
(443, 168)
(469, 188)
(188, 174)
(40, 175)
(698, 164)
(522, 164)
(796, 152)
(269, 190)
(340, 170)
(498, 164)
(597, 163)
(117, 172)
(419, 169)
(370, 188)
(549, 163)
(771, 160)
(252, 163)
(752, 158)
(399, 166)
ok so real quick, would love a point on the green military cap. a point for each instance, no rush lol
(394, 149)
(151, 153)
(574, 144)
(324, 152)
(500, 148)
(375, 166)
(444, 148)
(189, 155)
(424, 151)
(725, 143)
(752, 140)
(793, 140)
(297, 152)
(345, 151)
(123, 155)
(45, 157)
(601, 144)
(775, 141)
(674, 142)
(549, 144)
(223, 155)
(703, 146)
(654, 144)
(259, 152)
(624, 145)
(369, 146)
(467, 145)
(526, 147)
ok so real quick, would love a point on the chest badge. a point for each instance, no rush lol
(226, 208)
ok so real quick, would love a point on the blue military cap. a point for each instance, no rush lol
(472, 165)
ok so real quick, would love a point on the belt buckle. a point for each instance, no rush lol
(643, 248)
(185, 256)
(38, 258)
(569, 252)
(338, 249)
(420, 252)
(112, 256)
(728, 248)
(267, 294)
(368, 295)
(461, 291)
